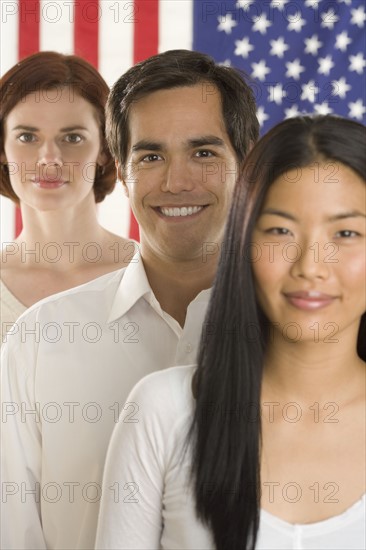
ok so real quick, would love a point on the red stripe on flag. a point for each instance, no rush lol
(28, 43)
(146, 35)
(145, 44)
(86, 30)
(29, 13)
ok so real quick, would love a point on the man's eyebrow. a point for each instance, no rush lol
(147, 145)
(35, 129)
(206, 140)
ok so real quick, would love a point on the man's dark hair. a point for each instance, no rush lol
(174, 69)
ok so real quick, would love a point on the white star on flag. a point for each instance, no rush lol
(294, 69)
(342, 41)
(243, 47)
(358, 16)
(313, 44)
(340, 87)
(323, 108)
(244, 4)
(325, 65)
(312, 4)
(261, 24)
(226, 23)
(278, 47)
(358, 63)
(279, 4)
(260, 70)
(276, 93)
(309, 91)
(292, 111)
(295, 22)
(261, 115)
(329, 19)
(357, 109)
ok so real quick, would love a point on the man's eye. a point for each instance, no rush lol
(151, 157)
(203, 153)
(27, 137)
(73, 138)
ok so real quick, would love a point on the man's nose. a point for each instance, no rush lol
(178, 177)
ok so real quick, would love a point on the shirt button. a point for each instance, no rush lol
(189, 348)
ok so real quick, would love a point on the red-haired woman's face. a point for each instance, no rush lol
(52, 146)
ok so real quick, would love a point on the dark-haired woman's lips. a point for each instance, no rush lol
(309, 300)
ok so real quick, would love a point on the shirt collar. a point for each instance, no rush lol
(133, 286)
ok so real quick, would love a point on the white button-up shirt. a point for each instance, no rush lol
(67, 369)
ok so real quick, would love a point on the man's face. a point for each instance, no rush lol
(180, 172)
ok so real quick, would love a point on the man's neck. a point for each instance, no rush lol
(176, 284)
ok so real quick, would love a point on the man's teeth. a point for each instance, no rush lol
(184, 211)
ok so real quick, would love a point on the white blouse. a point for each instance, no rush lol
(10, 310)
(147, 499)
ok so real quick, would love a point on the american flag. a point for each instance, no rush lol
(304, 56)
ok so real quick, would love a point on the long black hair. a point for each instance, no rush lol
(226, 430)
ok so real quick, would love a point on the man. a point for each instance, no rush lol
(179, 127)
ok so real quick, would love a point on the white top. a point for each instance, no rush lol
(10, 310)
(147, 501)
(66, 374)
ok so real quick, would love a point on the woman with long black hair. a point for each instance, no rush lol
(262, 444)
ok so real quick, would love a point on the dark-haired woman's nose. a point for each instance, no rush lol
(311, 261)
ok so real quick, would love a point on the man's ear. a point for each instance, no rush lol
(120, 177)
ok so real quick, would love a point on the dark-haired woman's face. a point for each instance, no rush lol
(310, 264)
(52, 146)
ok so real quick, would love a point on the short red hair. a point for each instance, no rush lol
(44, 71)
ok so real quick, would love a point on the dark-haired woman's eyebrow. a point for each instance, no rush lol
(344, 215)
(275, 212)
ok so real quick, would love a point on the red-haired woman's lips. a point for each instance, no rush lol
(309, 300)
(49, 183)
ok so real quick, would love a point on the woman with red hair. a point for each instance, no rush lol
(55, 164)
